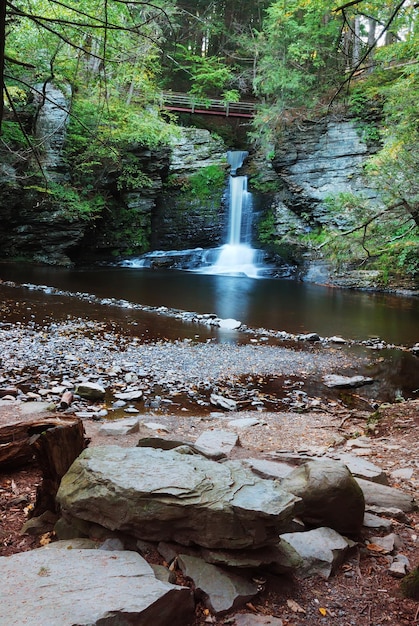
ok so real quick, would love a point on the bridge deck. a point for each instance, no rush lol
(184, 103)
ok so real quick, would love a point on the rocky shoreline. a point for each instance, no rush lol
(210, 396)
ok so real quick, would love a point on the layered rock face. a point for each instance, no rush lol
(181, 219)
(318, 160)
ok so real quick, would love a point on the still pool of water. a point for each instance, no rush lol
(274, 304)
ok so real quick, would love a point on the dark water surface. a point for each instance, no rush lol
(267, 303)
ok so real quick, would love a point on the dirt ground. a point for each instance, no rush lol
(362, 592)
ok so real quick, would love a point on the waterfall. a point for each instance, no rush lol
(236, 256)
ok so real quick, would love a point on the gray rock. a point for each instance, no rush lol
(400, 566)
(164, 574)
(222, 590)
(361, 468)
(112, 544)
(317, 551)
(216, 444)
(337, 339)
(269, 557)
(30, 408)
(404, 473)
(161, 495)
(229, 324)
(388, 543)
(392, 512)
(330, 494)
(309, 337)
(157, 426)
(398, 569)
(346, 382)
(90, 391)
(120, 427)
(384, 496)
(269, 469)
(250, 619)
(223, 402)
(244, 422)
(88, 588)
(135, 394)
(378, 523)
(159, 442)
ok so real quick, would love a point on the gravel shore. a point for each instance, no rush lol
(83, 349)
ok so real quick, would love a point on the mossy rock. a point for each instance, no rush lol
(410, 585)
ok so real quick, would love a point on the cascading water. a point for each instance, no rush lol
(236, 257)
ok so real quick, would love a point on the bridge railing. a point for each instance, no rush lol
(207, 106)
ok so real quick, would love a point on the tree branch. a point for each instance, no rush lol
(365, 224)
(369, 48)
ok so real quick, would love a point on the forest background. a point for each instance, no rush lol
(297, 60)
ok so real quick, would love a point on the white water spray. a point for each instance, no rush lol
(237, 257)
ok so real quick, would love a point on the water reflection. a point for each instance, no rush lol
(275, 304)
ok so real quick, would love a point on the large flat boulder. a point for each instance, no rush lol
(52, 587)
(161, 495)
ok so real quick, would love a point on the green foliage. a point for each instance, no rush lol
(12, 134)
(207, 75)
(131, 177)
(127, 231)
(77, 204)
(368, 237)
(206, 182)
(267, 229)
(365, 104)
(231, 95)
(298, 50)
(99, 141)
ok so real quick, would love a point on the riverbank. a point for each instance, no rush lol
(362, 591)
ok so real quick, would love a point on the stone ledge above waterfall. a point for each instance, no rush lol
(194, 149)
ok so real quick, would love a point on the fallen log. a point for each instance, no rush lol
(53, 443)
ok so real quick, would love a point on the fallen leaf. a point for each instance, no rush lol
(373, 547)
(294, 606)
(323, 611)
(45, 539)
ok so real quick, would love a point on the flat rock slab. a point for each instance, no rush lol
(346, 382)
(88, 588)
(244, 422)
(222, 590)
(120, 427)
(249, 619)
(91, 391)
(386, 497)
(361, 468)
(269, 469)
(216, 444)
(317, 551)
(161, 495)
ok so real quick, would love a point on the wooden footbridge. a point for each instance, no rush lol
(185, 103)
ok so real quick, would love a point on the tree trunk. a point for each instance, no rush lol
(2, 48)
(53, 443)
